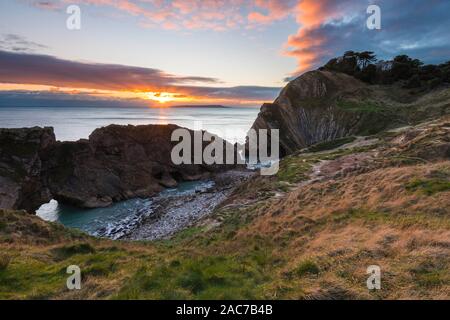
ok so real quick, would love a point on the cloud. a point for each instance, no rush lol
(17, 43)
(274, 10)
(309, 46)
(49, 70)
(218, 15)
(28, 98)
(328, 28)
(33, 69)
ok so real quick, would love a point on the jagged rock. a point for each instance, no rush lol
(323, 106)
(307, 111)
(20, 167)
(114, 164)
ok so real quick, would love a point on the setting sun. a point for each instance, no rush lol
(161, 97)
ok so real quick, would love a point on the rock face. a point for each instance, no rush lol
(116, 163)
(307, 110)
(21, 185)
(323, 106)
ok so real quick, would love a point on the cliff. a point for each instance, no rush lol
(114, 164)
(21, 150)
(325, 105)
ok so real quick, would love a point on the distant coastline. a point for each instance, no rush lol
(210, 106)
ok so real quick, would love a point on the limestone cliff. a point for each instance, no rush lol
(323, 106)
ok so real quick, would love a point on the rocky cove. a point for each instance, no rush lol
(133, 163)
(119, 183)
(116, 163)
(154, 218)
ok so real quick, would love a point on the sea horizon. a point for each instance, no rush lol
(74, 123)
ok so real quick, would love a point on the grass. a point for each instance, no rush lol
(294, 169)
(365, 106)
(209, 277)
(430, 274)
(30, 277)
(5, 260)
(428, 186)
(396, 219)
(307, 267)
(328, 145)
(65, 252)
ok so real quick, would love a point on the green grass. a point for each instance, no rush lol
(428, 186)
(65, 252)
(294, 169)
(42, 274)
(212, 277)
(328, 145)
(31, 278)
(430, 274)
(307, 267)
(5, 260)
(365, 106)
(185, 234)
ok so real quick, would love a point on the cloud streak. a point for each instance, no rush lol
(49, 70)
(33, 69)
(16, 43)
(218, 15)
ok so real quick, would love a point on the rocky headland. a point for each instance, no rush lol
(116, 163)
(340, 100)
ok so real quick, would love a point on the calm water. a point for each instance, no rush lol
(113, 220)
(71, 124)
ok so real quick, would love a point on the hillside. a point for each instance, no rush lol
(309, 232)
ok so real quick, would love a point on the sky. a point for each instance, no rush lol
(172, 52)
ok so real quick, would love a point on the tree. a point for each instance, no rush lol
(365, 58)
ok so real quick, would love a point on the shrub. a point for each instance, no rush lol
(307, 267)
(5, 260)
(428, 186)
(65, 252)
(193, 279)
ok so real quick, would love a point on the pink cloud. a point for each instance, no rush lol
(307, 44)
(220, 15)
(275, 10)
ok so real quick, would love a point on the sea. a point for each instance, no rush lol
(74, 123)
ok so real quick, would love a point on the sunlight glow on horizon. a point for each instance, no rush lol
(162, 97)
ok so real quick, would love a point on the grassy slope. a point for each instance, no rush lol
(276, 237)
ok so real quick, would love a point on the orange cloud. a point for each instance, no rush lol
(307, 44)
(275, 10)
(20, 71)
